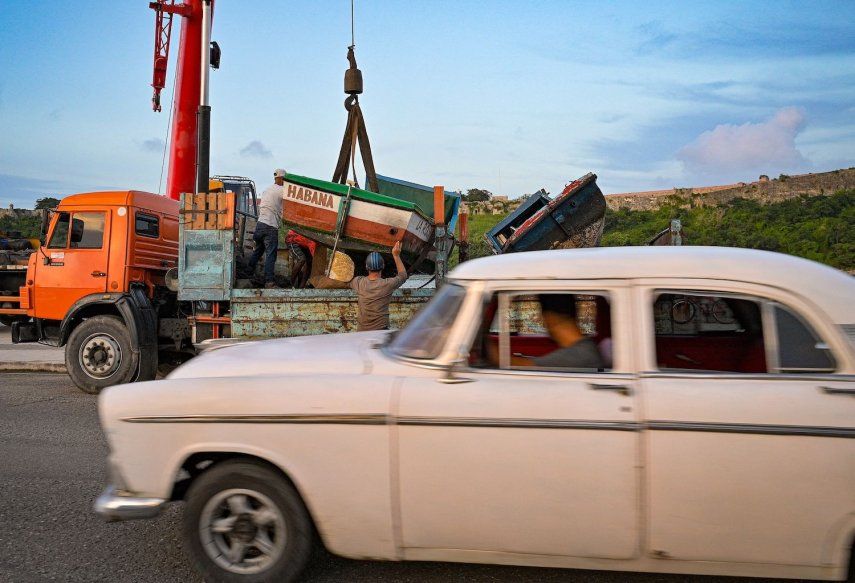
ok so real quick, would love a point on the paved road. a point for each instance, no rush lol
(52, 467)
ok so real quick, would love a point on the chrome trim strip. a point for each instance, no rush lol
(759, 376)
(750, 428)
(519, 423)
(333, 419)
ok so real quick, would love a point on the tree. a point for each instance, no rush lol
(47, 202)
(477, 195)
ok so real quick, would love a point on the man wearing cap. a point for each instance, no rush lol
(373, 291)
(266, 234)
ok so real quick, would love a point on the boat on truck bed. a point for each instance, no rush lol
(367, 221)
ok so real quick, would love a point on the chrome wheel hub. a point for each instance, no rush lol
(100, 355)
(242, 531)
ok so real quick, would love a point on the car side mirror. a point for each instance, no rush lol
(44, 226)
(449, 377)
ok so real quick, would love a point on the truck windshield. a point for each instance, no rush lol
(425, 335)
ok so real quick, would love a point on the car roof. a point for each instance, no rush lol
(834, 290)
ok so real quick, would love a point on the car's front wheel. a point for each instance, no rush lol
(244, 522)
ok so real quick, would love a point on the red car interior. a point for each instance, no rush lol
(731, 352)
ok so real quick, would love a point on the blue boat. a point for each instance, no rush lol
(572, 219)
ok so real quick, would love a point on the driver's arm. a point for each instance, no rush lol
(493, 357)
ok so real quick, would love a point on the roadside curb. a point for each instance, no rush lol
(32, 367)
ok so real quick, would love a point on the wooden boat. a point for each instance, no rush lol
(421, 196)
(354, 219)
(572, 219)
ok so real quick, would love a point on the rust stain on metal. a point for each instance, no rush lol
(281, 313)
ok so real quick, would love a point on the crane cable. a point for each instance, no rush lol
(355, 132)
(354, 137)
(166, 138)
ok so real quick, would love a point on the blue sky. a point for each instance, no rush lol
(508, 96)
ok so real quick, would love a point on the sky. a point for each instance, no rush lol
(510, 96)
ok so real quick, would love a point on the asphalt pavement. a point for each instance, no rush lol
(52, 466)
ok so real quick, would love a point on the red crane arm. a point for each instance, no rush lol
(183, 141)
(163, 9)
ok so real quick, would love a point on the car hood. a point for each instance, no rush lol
(333, 353)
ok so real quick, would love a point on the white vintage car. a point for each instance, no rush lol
(708, 427)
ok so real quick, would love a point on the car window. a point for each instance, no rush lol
(424, 337)
(800, 349)
(87, 230)
(708, 331)
(146, 225)
(712, 331)
(59, 237)
(549, 331)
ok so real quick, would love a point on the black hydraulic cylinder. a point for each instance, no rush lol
(203, 151)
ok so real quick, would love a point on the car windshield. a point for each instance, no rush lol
(425, 336)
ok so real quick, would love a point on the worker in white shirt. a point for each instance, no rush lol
(266, 234)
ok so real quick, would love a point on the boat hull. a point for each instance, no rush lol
(575, 218)
(369, 226)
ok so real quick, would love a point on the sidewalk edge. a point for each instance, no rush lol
(32, 367)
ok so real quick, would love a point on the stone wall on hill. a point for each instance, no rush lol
(764, 190)
(13, 212)
(495, 206)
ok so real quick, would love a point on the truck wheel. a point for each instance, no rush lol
(244, 523)
(99, 355)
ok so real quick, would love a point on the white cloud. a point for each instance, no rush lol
(255, 149)
(154, 145)
(768, 146)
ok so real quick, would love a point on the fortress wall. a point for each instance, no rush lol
(764, 191)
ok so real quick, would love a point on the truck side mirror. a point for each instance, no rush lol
(43, 229)
(76, 230)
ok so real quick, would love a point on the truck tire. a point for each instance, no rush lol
(99, 355)
(245, 523)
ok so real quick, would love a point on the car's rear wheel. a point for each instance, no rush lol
(99, 355)
(245, 523)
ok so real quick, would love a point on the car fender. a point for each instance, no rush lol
(310, 426)
(838, 546)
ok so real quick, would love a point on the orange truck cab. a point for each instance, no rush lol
(98, 286)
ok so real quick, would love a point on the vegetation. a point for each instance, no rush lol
(27, 225)
(477, 195)
(821, 228)
(47, 202)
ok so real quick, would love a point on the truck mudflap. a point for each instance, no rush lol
(24, 332)
(140, 318)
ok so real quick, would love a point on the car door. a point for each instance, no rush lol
(522, 461)
(74, 262)
(749, 442)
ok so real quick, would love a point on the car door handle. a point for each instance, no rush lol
(99, 274)
(622, 389)
(838, 391)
